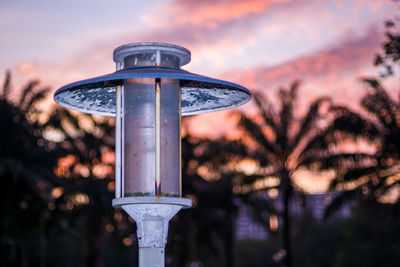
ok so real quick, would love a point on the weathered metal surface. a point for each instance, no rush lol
(152, 215)
(200, 94)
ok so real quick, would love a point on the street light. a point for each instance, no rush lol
(148, 94)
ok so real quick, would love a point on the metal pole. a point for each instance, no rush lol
(150, 151)
(152, 215)
(151, 257)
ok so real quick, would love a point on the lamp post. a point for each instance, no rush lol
(148, 94)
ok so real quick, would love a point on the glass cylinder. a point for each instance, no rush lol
(151, 137)
(170, 137)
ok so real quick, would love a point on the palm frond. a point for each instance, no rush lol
(308, 122)
(373, 83)
(287, 98)
(352, 123)
(7, 84)
(266, 109)
(260, 157)
(26, 91)
(380, 104)
(353, 174)
(339, 179)
(256, 133)
(37, 97)
(320, 142)
(327, 161)
(346, 124)
(379, 108)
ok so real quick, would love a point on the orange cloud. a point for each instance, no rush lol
(333, 70)
(217, 30)
(192, 23)
(210, 13)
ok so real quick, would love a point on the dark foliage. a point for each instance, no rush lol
(55, 208)
(58, 181)
(205, 233)
(390, 55)
(282, 144)
(373, 176)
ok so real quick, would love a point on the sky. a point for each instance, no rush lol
(261, 44)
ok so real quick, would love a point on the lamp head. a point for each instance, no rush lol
(148, 94)
(199, 94)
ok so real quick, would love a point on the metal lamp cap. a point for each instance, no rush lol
(151, 54)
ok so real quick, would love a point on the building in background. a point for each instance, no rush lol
(248, 228)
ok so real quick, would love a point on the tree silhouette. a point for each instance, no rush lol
(57, 184)
(206, 231)
(373, 176)
(57, 172)
(88, 166)
(26, 162)
(390, 55)
(283, 144)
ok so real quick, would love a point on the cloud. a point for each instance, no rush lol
(188, 21)
(221, 34)
(230, 32)
(211, 13)
(253, 37)
(203, 29)
(333, 71)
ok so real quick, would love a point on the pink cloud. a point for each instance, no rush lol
(219, 27)
(181, 22)
(333, 71)
(209, 13)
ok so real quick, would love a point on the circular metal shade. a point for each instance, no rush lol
(200, 94)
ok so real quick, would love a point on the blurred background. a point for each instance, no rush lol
(306, 174)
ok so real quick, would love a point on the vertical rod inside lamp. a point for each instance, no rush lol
(122, 143)
(158, 129)
(118, 144)
(180, 142)
(118, 140)
(158, 138)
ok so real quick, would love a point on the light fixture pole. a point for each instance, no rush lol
(148, 94)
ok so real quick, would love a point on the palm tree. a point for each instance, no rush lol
(391, 48)
(281, 144)
(206, 231)
(373, 177)
(26, 163)
(88, 166)
(57, 182)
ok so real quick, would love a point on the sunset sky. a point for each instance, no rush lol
(260, 44)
